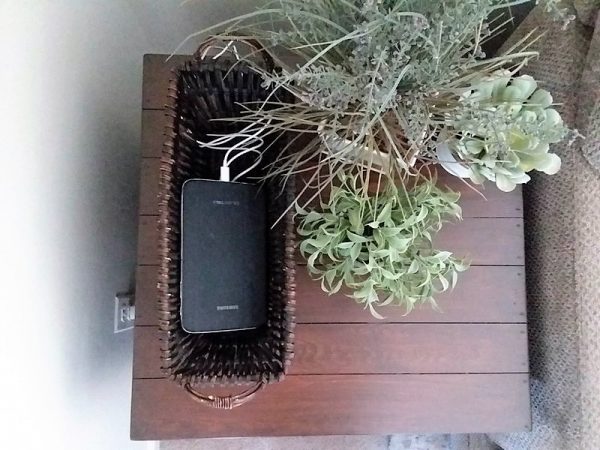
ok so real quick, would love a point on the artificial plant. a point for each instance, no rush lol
(379, 86)
(505, 130)
(378, 248)
(376, 81)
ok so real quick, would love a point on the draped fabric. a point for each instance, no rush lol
(562, 215)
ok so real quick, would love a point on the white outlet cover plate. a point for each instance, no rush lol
(124, 312)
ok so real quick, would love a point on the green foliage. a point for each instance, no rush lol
(378, 76)
(376, 81)
(380, 246)
(377, 84)
(504, 130)
(379, 49)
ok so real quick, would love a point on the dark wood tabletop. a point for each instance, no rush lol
(461, 370)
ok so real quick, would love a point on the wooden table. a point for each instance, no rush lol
(463, 370)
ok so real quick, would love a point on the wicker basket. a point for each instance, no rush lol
(200, 92)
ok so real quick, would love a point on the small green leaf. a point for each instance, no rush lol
(355, 251)
(312, 258)
(305, 247)
(362, 270)
(356, 238)
(414, 266)
(388, 301)
(454, 278)
(389, 232)
(354, 218)
(304, 231)
(444, 282)
(312, 217)
(330, 276)
(443, 256)
(389, 275)
(337, 286)
(320, 241)
(364, 292)
(375, 313)
(299, 210)
(379, 238)
(383, 253)
(400, 244)
(385, 214)
(422, 214)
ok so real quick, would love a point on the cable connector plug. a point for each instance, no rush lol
(224, 173)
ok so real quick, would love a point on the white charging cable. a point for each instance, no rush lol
(248, 140)
(229, 45)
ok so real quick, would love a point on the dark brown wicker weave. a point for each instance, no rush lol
(200, 92)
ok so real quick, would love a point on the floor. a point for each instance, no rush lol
(393, 442)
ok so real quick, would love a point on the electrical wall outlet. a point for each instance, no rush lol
(124, 312)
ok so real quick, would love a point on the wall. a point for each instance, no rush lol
(70, 85)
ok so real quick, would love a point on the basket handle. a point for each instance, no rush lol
(200, 53)
(227, 401)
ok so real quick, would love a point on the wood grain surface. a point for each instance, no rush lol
(340, 404)
(482, 241)
(153, 137)
(489, 202)
(461, 370)
(484, 294)
(385, 348)
(157, 73)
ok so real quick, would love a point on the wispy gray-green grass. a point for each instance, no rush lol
(374, 81)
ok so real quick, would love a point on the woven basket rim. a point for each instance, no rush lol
(168, 311)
